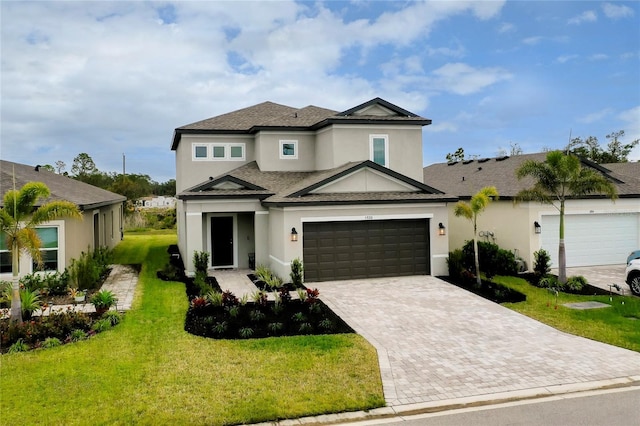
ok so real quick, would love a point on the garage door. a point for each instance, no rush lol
(592, 239)
(373, 248)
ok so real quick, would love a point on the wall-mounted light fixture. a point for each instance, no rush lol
(537, 228)
(441, 229)
(294, 235)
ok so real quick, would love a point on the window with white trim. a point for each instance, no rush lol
(379, 149)
(48, 249)
(288, 149)
(200, 152)
(219, 152)
(5, 256)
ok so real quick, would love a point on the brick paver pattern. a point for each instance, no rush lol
(437, 342)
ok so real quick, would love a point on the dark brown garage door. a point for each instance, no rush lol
(373, 248)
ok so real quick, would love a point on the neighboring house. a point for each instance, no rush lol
(598, 231)
(342, 191)
(156, 202)
(66, 239)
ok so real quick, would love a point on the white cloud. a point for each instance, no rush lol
(613, 11)
(444, 126)
(463, 79)
(598, 57)
(566, 58)
(506, 27)
(595, 116)
(631, 127)
(586, 16)
(532, 41)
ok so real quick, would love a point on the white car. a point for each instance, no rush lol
(633, 276)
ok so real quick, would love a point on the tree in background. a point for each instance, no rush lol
(18, 221)
(471, 211)
(60, 167)
(589, 148)
(456, 156)
(558, 178)
(83, 166)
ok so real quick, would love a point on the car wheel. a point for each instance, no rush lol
(634, 283)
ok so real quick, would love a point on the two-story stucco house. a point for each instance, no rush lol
(342, 191)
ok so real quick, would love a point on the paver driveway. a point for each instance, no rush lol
(438, 342)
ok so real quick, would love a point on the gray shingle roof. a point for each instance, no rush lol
(270, 115)
(85, 196)
(280, 187)
(464, 179)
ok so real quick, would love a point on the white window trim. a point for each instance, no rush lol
(295, 150)
(227, 151)
(386, 148)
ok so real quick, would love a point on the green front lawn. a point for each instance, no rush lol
(618, 325)
(148, 370)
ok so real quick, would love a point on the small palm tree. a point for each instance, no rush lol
(18, 221)
(558, 178)
(471, 211)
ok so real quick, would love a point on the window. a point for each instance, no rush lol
(379, 149)
(200, 152)
(49, 249)
(219, 152)
(5, 256)
(289, 149)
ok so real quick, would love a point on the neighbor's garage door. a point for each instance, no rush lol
(373, 248)
(592, 239)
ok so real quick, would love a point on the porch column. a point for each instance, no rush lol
(194, 238)
(261, 230)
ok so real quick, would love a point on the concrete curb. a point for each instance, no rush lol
(458, 403)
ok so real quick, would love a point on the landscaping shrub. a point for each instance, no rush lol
(455, 262)
(201, 262)
(46, 331)
(90, 270)
(296, 273)
(542, 264)
(575, 284)
(233, 320)
(493, 260)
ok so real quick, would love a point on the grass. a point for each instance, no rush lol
(148, 370)
(618, 325)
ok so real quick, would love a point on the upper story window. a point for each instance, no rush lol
(379, 149)
(218, 152)
(289, 149)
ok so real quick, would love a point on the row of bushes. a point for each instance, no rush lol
(496, 261)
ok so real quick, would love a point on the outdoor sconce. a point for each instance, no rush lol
(294, 235)
(441, 229)
(537, 227)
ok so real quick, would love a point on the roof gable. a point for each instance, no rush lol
(224, 183)
(377, 107)
(363, 177)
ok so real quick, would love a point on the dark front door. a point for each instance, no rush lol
(222, 241)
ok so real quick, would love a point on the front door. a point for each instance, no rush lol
(222, 241)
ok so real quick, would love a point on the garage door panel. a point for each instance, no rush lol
(592, 239)
(343, 250)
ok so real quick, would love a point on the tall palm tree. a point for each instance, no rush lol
(18, 221)
(471, 211)
(559, 178)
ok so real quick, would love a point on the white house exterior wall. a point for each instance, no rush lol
(190, 173)
(268, 152)
(513, 225)
(283, 250)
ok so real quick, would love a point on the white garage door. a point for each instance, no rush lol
(592, 239)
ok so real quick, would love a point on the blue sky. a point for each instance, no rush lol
(108, 78)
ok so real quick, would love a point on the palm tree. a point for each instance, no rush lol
(558, 178)
(18, 221)
(471, 211)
